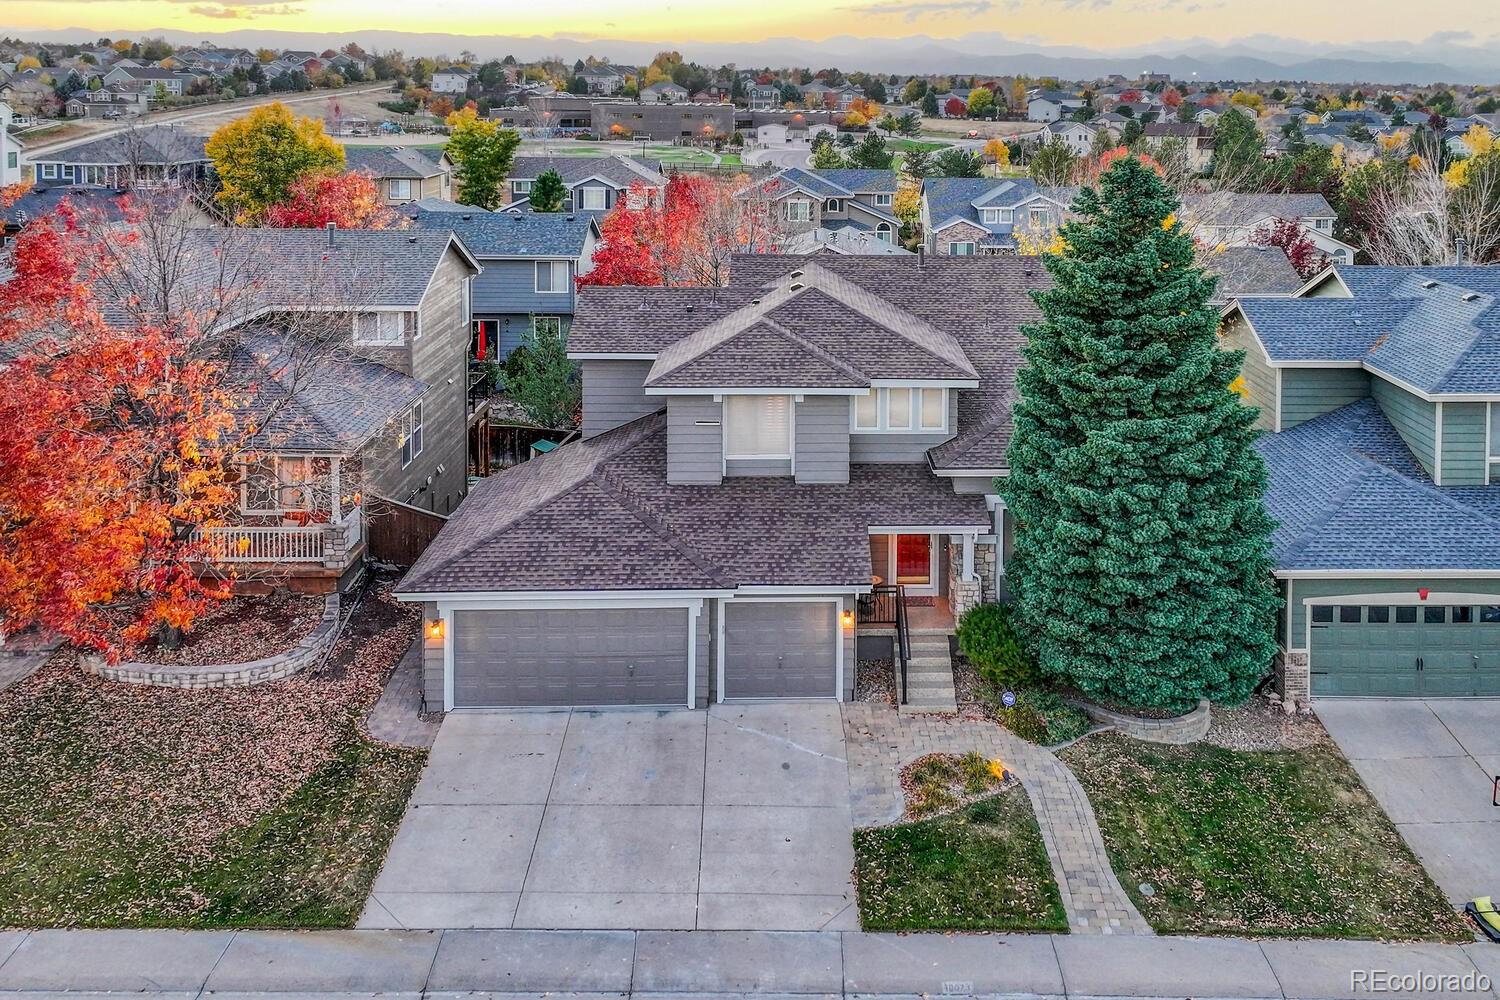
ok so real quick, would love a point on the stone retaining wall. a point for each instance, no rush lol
(1189, 728)
(218, 675)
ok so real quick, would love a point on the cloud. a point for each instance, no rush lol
(912, 10)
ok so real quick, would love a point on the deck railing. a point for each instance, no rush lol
(885, 604)
(281, 543)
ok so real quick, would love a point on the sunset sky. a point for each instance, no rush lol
(1097, 23)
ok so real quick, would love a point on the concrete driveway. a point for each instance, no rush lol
(1431, 764)
(732, 819)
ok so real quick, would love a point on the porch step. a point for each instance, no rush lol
(929, 674)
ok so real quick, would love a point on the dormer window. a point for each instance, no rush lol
(901, 410)
(833, 205)
(995, 216)
(757, 427)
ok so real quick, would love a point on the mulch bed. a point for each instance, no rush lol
(875, 681)
(125, 805)
(1258, 725)
(240, 629)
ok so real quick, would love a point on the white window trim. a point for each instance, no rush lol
(521, 187)
(546, 316)
(883, 200)
(380, 341)
(412, 426)
(393, 192)
(275, 463)
(800, 204)
(882, 412)
(953, 248)
(551, 266)
(791, 434)
(49, 171)
(583, 196)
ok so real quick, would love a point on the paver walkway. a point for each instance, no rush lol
(880, 741)
(23, 654)
(396, 717)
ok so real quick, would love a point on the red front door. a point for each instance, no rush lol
(914, 559)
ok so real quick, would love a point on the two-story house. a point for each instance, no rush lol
(149, 80)
(594, 183)
(1379, 388)
(531, 262)
(806, 200)
(775, 480)
(964, 216)
(451, 80)
(10, 149)
(1052, 105)
(153, 156)
(113, 101)
(1235, 219)
(403, 175)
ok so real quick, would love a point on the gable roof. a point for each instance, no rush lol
(1223, 208)
(512, 233)
(619, 170)
(148, 144)
(391, 161)
(1347, 495)
(1435, 329)
(811, 328)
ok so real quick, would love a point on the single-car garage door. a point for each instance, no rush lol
(577, 656)
(781, 650)
(1430, 650)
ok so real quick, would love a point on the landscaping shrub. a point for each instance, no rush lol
(987, 638)
(1043, 717)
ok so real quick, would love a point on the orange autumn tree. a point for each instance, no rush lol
(114, 441)
(1091, 168)
(348, 200)
(685, 237)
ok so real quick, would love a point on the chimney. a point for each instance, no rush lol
(921, 253)
(1460, 250)
(332, 226)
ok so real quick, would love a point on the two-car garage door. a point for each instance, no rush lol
(640, 656)
(1383, 650)
(577, 656)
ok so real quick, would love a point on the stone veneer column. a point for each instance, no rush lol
(962, 594)
(1293, 677)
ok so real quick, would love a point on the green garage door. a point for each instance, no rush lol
(1432, 651)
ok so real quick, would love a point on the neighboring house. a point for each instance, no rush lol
(351, 348)
(846, 240)
(29, 91)
(1198, 140)
(149, 156)
(147, 79)
(1380, 390)
(112, 101)
(1234, 219)
(402, 175)
(719, 533)
(1052, 105)
(451, 80)
(594, 183)
(963, 216)
(763, 96)
(603, 80)
(1077, 136)
(10, 148)
(664, 92)
(531, 263)
(101, 204)
(961, 95)
(844, 198)
(839, 98)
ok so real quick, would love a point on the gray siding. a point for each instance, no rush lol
(885, 448)
(438, 357)
(1259, 376)
(1414, 419)
(508, 287)
(613, 394)
(1311, 392)
(704, 654)
(432, 661)
(758, 467)
(1304, 589)
(973, 484)
(1463, 444)
(695, 440)
(821, 427)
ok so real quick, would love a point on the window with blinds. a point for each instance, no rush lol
(757, 427)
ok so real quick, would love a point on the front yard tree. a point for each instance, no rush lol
(1142, 560)
(261, 156)
(548, 192)
(482, 153)
(981, 103)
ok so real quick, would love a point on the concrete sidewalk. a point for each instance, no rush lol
(422, 964)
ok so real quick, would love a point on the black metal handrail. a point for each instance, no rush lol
(885, 604)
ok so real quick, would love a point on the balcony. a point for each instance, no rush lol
(330, 546)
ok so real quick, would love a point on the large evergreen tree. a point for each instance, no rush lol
(548, 192)
(1142, 551)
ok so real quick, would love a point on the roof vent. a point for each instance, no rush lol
(1471, 296)
(797, 273)
(689, 307)
(1429, 283)
(467, 218)
(797, 286)
(572, 218)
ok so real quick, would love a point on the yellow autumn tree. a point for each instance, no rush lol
(260, 156)
(997, 152)
(1480, 142)
(908, 204)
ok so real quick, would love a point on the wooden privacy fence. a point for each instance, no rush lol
(398, 533)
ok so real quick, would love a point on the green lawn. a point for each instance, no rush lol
(1281, 843)
(900, 145)
(982, 868)
(123, 806)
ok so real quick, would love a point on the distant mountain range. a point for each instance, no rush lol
(1450, 57)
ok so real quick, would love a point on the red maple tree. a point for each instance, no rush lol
(954, 108)
(1091, 168)
(348, 200)
(684, 237)
(1289, 236)
(115, 443)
